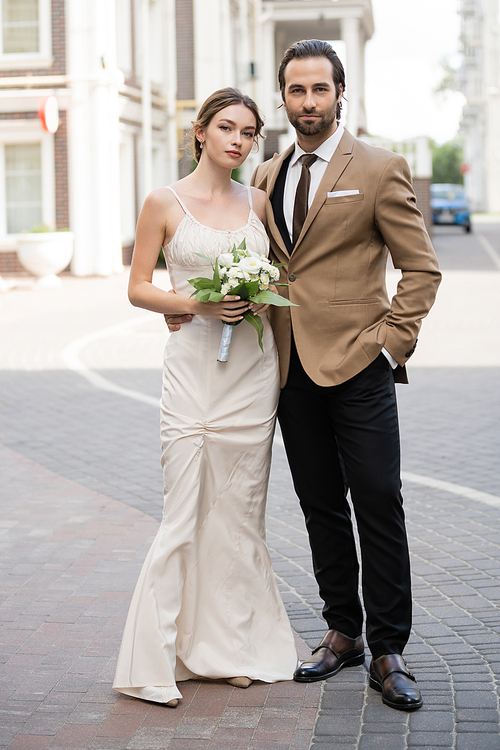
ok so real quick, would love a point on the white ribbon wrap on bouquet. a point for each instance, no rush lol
(225, 342)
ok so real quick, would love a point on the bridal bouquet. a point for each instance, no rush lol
(246, 274)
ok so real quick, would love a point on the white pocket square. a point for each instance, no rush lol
(339, 193)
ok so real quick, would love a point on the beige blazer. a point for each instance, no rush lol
(337, 270)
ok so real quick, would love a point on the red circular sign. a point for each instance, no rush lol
(48, 112)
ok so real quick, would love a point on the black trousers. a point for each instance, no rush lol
(341, 438)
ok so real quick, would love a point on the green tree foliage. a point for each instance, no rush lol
(446, 162)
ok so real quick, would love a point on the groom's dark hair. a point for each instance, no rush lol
(314, 48)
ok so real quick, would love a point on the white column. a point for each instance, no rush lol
(147, 126)
(350, 32)
(242, 61)
(212, 47)
(171, 93)
(266, 72)
(362, 108)
(93, 138)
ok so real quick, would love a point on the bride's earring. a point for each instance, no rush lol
(201, 144)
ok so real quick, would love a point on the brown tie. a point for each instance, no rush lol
(301, 204)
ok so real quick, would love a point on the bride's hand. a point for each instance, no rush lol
(229, 310)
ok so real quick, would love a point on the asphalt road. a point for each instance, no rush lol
(478, 250)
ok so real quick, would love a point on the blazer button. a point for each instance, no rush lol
(408, 354)
(292, 277)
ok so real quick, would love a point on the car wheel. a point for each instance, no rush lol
(468, 228)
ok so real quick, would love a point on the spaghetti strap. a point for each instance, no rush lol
(181, 202)
(249, 189)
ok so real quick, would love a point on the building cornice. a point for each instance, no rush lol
(317, 10)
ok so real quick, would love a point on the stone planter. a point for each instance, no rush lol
(45, 254)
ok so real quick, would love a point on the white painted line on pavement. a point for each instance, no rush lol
(437, 484)
(71, 358)
(456, 489)
(495, 257)
(73, 361)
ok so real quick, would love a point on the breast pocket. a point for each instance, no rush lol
(342, 200)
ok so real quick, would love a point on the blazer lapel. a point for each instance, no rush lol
(274, 171)
(334, 170)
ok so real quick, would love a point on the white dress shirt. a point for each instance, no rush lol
(317, 170)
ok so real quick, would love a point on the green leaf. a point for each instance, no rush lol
(271, 298)
(252, 287)
(257, 323)
(216, 297)
(205, 257)
(243, 244)
(201, 283)
(204, 295)
(241, 290)
(236, 257)
(217, 283)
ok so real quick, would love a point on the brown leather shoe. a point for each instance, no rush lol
(335, 651)
(390, 675)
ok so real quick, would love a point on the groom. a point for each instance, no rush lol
(336, 208)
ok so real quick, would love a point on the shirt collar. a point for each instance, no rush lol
(325, 151)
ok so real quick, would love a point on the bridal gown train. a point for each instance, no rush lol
(206, 603)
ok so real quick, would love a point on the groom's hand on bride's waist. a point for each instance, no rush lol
(174, 322)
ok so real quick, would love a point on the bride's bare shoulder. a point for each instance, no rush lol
(160, 198)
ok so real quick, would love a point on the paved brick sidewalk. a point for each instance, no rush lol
(70, 558)
(82, 471)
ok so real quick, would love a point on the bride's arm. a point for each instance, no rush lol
(152, 231)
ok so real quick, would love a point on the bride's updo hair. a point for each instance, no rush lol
(220, 100)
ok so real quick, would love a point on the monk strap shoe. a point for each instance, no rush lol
(390, 675)
(335, 651)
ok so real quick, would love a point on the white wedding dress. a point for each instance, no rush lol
(206, 604)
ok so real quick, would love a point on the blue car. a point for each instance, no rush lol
(449, 205)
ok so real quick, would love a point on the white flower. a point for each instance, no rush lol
(250, 264)
(275, 273)
(233, 272)
(226, 259)
(252, 254)
(233, 282)
(247, 276)
(264, 279)
(225, 288)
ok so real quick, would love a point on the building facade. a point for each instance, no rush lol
(129, 77)
(480, 83)
(111, 66)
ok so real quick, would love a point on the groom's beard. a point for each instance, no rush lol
(314, 128)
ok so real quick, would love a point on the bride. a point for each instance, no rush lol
(206, 604)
